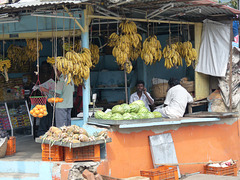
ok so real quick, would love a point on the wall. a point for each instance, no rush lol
(129, 151)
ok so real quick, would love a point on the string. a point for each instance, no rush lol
(169, 34)
(63, 34)
(3, 42)
(37, 52)
(73, 35)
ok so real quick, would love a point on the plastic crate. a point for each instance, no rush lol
(86, 153)
(226, 171)
(161, 173)
(54, 153)
(11, 146)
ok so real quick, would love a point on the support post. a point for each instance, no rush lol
(86, 90)
(230, 69)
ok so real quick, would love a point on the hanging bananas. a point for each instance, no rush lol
(95, 54)
(76, 66)
(4, 66)
(189, 53)
(126, 46)
(171, 56)
(51, 60)
(69, 46)
(151, 52)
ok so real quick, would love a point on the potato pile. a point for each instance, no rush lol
(39, 111)
(71, 134)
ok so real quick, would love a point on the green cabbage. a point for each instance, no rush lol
(99, 114)
(157, 114)
(142, 115)
(127, 116)
(139, 102)
(126, 108)
(150, 115)
(117, 116)
(107, 116)
(135, 116)
(134, 107)
(109, 112)
(143, 110)
(118, 109)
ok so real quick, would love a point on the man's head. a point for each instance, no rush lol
(140, 86)
(173, 82)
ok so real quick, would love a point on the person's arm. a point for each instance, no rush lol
(44, 90)
(150, 99)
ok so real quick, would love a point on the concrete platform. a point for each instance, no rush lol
(26, 150)
(211, 177)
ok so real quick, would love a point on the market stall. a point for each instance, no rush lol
(180, 22)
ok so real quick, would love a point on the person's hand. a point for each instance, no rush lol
(144, 90)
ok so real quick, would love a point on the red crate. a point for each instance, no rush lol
(161, 173)
(86, 153)
(11, 146)
(226, 171)
(52, 153)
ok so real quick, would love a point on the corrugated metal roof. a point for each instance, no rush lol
(31, 3)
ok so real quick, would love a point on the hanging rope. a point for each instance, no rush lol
(169, 30)
(3, 42)
(74, 35)
(63, 34)
(37, 51)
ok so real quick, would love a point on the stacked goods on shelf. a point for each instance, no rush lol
(4, 121)
(135, 110)
(19, 116)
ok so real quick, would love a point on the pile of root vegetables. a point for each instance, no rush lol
(71, 134)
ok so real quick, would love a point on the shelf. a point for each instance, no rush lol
(109, 88)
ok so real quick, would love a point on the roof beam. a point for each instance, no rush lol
(120, 3)
(160, 10)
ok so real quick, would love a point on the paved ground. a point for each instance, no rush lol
(211, 177)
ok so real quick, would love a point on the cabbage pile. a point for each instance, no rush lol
(135, 110)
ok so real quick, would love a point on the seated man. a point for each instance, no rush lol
(142, 94)
(176, 100)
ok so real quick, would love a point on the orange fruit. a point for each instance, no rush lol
(37, 112)
(56, 100)
(45, 113)
(34, 115)
(40, 115)
(31, 112)
(60, 100)
(41, 110)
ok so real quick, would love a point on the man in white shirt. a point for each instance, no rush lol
(142, 94)
(176, 100)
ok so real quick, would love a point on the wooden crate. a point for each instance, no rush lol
(162, 172)
(159, 90)
(86, 153)
(226, 171)
(188, 85)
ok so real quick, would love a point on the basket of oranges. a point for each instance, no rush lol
(56, 100)
(38, 106)
(39, 111)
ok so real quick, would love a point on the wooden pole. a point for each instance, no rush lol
(125, 80)
(138, 19)
(230, 68)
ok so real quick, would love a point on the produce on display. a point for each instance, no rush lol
(189, 53)
(94, 54)
(71, 134)
(172, 57)
(69, 46)
(56, 100)
(39, 111)
(151, 52)
(3, 134)
(51, 60)
(76, 66)
(4, 66)
(126, 46)
(135, 110)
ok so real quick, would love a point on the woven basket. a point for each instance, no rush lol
(3, 146)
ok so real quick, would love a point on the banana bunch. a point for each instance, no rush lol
(32, 44)
(172, 57)
(4, 66)
(76, 66)
(151, 52)
(126, 46)
(128, 27)
(189, 53)
(95, 54)
(113, 40)
(69, 46)
(127, 66)
(51, 60)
